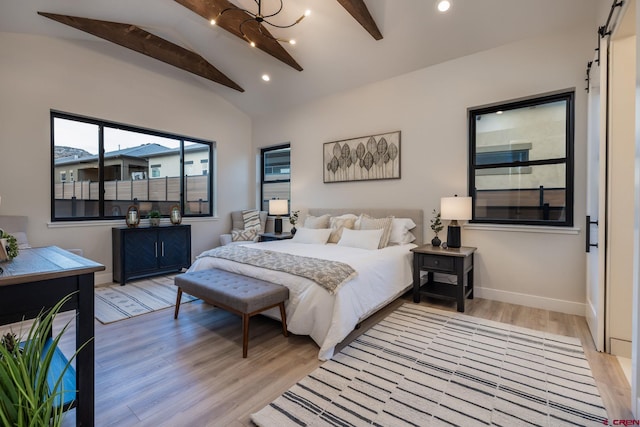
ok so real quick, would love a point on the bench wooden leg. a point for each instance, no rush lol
(178, 299)
(283, 317)
(245, 334)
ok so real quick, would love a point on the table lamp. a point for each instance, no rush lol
(456, 209)
(278, 207)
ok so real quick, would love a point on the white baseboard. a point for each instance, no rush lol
(534, 301)
(103, 277)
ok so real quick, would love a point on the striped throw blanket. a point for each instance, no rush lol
(328, 274)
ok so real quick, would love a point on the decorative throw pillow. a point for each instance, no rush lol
(251, 219)
(337, 224)
(317, 221)
(363, 239)
(312, 235)
(400, 231)
(368, 223)
(244, 235)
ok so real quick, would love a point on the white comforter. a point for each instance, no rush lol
(382, 276)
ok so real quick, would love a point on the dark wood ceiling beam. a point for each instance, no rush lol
(139, 40)
(231, 20)
(359, 11)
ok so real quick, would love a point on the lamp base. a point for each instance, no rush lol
(277, 225)
(453, 236)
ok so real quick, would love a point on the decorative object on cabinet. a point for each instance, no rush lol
(278, 207)
(149, 251)
(154, 218)
(175, 215)
(133, 216)
(362, 159)
(456, 209)
(436, 226)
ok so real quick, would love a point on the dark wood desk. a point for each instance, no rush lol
(40, 277)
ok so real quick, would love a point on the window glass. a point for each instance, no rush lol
(76, 168)
(138, 167)
(276, 174)
(521, 168)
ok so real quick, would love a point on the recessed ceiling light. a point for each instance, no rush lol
(292, 41)
(444, 5)
(212, 22)
(498, 112)
(266, 77)
(253, 44)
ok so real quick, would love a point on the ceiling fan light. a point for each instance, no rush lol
(252, 43)
(444, 5)
(212, 22)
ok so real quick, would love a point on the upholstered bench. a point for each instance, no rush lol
(233, 292)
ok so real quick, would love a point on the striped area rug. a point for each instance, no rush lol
(426, 367)
(115, 302)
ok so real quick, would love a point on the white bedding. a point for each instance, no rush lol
(383, 275)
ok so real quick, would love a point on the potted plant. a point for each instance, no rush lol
(31, 394)
(436, 226)
(154, 218)
(9, 245)
(293, 219)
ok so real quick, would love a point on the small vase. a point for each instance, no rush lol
(293, 231)
(435, 241)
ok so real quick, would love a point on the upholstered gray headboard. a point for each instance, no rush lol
(415, 214)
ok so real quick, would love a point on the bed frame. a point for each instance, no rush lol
(415, 214)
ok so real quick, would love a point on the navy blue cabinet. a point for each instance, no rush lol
(148, 251)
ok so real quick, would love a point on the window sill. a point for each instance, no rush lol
(121, 222)
(523, 228)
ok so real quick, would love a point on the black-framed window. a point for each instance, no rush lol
(100, 168)
(275, 164)
(521, 161)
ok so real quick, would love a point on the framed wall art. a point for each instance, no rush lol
(362, 159)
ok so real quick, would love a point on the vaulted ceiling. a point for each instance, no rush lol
(343, 44)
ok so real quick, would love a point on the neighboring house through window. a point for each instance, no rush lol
(521, 161)
(276, 174)
(100, 168)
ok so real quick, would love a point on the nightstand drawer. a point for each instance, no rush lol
(436, 262)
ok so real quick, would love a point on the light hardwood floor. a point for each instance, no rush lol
(152, 370)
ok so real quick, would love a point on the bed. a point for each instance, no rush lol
(382, 275)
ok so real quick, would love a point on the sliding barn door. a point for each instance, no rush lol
(596, 198)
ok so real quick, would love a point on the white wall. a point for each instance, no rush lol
(38, 74)
(430, 106)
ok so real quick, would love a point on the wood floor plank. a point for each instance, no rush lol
(153, 370)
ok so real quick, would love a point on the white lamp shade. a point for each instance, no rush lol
(458, 208)
(278, 207)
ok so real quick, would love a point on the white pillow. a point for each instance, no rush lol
(369, 223)
(400, 231)
(312, 235)
(317, 221)
(363, 239)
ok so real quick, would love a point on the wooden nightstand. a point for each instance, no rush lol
(434, 259)
(268, 237)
